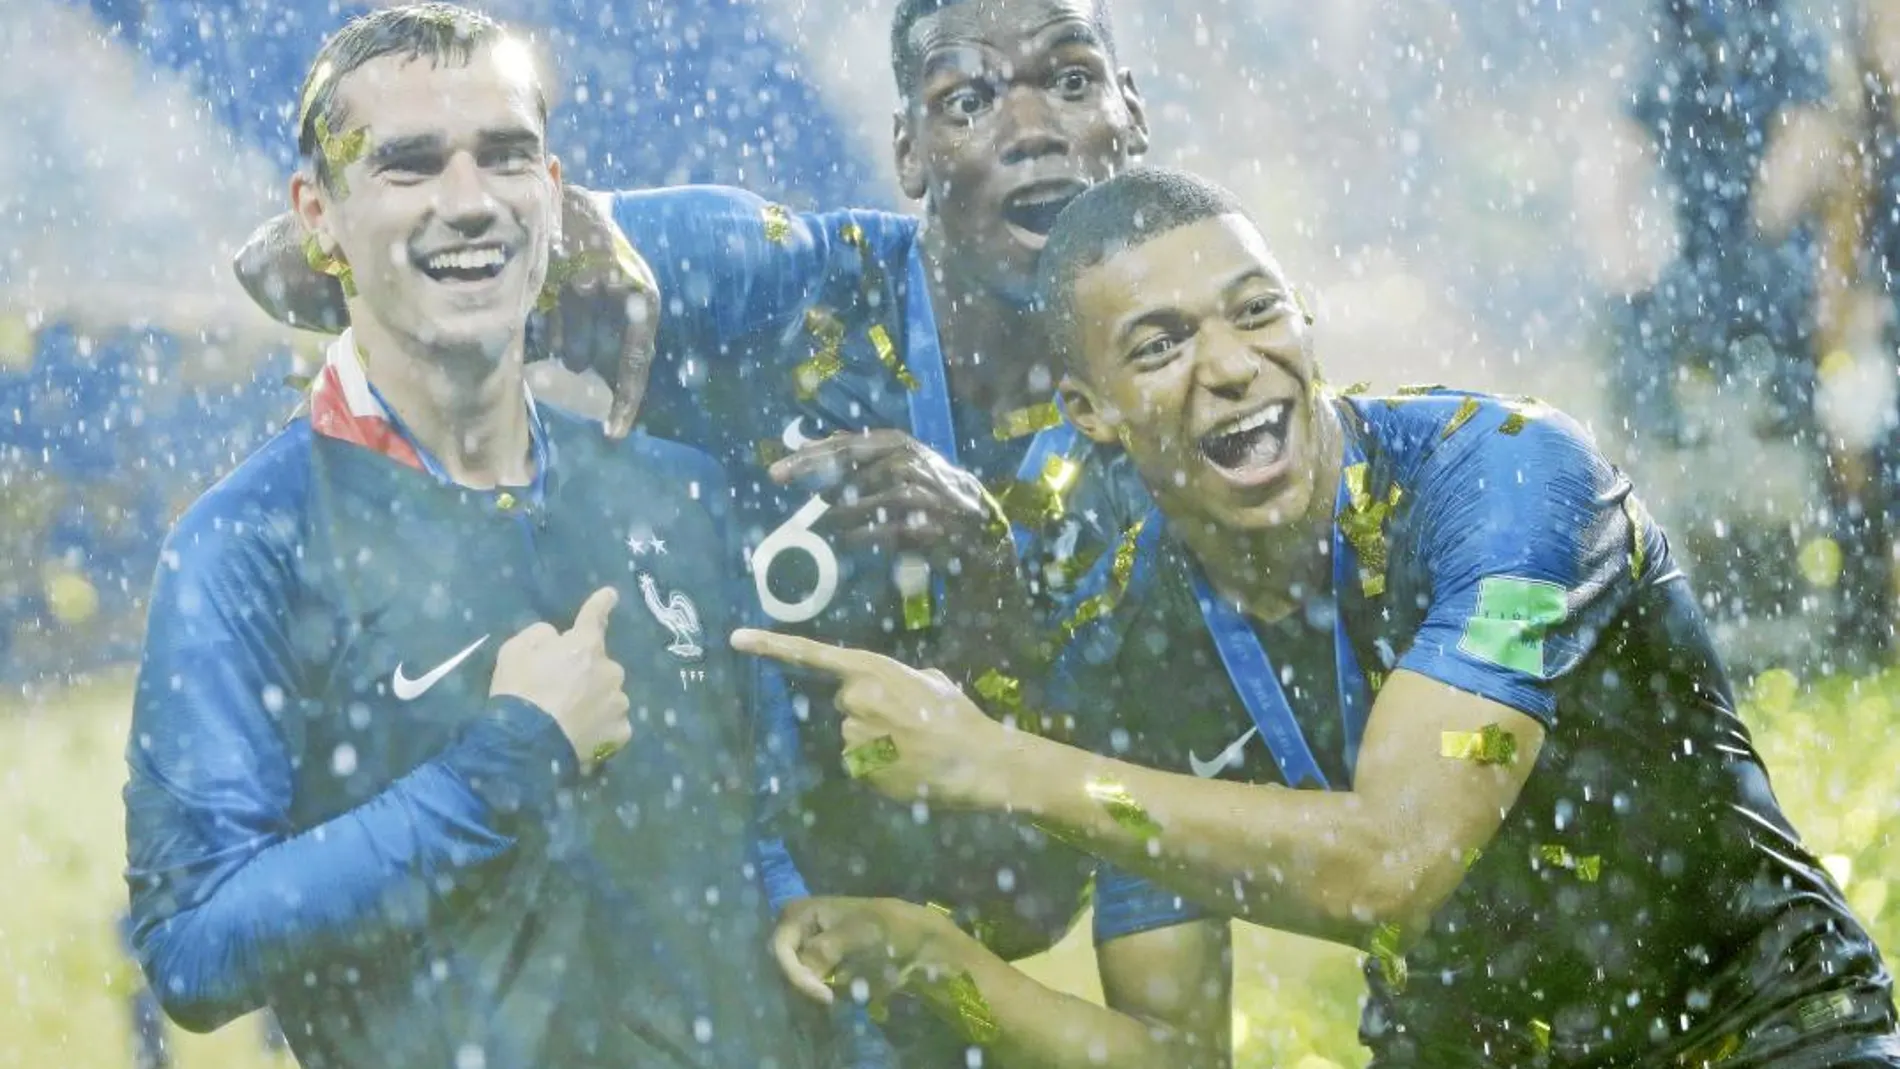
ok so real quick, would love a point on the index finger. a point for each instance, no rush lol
(636, 364)
(591, 621)
(851, 449)
(800, 652)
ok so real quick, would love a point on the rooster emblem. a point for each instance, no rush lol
(677, 615)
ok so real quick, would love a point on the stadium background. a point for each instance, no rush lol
(1425, 170)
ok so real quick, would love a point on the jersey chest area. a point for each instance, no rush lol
(410, 597)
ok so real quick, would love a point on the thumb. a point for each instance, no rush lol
(591, 621)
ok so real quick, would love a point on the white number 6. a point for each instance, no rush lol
(796, 536)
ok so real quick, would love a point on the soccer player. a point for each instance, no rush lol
(1416, 674)
(782, 331)
(377, 776)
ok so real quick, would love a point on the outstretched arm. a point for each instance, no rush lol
(877, 949)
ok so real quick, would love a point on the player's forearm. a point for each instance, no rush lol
(1319, 863)
(1023, 1024)
(214, 936)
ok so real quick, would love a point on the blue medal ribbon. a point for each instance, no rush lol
(1250, 669)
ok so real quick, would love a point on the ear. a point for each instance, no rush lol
(310, 204)
(910, 167)
(1098, 421)
(1137, 114)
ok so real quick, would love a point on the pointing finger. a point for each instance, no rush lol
(801, 652)
(591, 621)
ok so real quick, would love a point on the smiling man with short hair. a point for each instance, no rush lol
(378, 780)
(1416, 674)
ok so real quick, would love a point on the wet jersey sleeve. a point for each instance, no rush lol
(1530, 543)
(730, 263)
(228, 894)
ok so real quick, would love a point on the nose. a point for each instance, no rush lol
(1225, 365)
(462, 199)
(1030, 129)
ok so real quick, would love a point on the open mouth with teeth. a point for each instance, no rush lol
(475, 263)
(1252, 443)
(1033, 209)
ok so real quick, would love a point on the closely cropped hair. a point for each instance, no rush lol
(906, 61)
(1133, 207)
(442, 33)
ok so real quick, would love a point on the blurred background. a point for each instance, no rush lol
(1673, 218)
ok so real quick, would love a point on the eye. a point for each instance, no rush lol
(1155, 352)
(965, 103)
(1075, 82)
(514, 160)
(1262, 310)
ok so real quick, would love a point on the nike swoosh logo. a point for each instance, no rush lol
(409, 690)
(794, 436)
(1229, 756)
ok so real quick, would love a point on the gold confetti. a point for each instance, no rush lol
(826, 359)
(1473, 856)
(340, 152)
(887, 355)
(917, 611)
(1022, 422)
(1713, 1052)
(778, 223)
(974, 1019)
(853, 235)
(1417, 391)
(1540, 1035)
(328, 264)
(1513, 424)
(1357, 388)
(1362, 521)
(1122, 807)
(1120, 571)
(1489, 745)
(1588, 869)
(870, 757)
(1461, 417)
(1044, 500)
(318, 79)
(1633, 509)
(1385, 950)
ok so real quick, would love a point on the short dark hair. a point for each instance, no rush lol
(1136, 206)
(905, 59)
(444, 33)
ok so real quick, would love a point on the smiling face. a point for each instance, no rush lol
(1193, 353)
(1012, 108)
(447, 218)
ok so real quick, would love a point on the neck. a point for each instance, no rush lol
(467, 412)
(1271, 572)
(992, 347)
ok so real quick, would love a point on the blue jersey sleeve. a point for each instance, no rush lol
(228, 895)
(730, 263)
(1127, 904)
(1531, 542)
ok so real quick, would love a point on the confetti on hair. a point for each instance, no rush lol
(340, 151)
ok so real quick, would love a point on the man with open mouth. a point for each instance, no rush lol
(1463, 710)
(879, 395)
(431, 752)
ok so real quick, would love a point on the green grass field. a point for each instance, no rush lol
(1833, 746)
